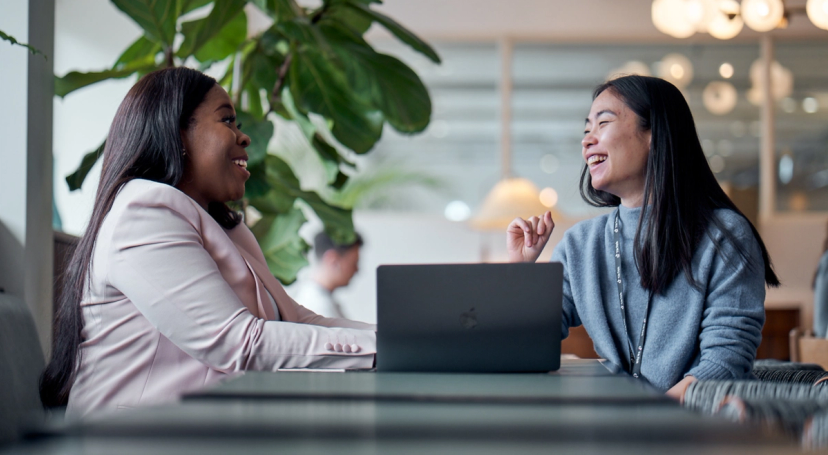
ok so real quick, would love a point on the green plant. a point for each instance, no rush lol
(14, 42)
(308, 62)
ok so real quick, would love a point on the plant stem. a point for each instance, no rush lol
(276, 95)
(168, 56)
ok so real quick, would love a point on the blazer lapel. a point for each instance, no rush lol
(263, 276)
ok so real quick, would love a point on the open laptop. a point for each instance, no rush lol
(469, 317)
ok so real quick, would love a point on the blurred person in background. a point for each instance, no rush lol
(821, 295)
(670, 285)
(334, 268)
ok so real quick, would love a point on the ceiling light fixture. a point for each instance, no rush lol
(762, 15)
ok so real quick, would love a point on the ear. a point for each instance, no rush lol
(329, 258)
(185, 139)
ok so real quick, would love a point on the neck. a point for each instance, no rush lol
(323, 280)
(193, 195)
(632, 202)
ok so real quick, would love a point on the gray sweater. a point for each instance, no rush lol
(709, 334)
(821, 298)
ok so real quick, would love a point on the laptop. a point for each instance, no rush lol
(469, 317)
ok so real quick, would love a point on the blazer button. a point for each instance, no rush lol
(354, 348)
(338, 347)
(346, 347)
(329, 347)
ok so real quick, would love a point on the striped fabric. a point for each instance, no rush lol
(815, 431)
(773, 364)
(809, 377)
(786, 416)
(707, 396)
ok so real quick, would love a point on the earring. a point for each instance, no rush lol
(183, 152)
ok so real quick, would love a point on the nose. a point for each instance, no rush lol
(588, 140)
(243, 139)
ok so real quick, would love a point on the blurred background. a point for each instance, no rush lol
(510, 96)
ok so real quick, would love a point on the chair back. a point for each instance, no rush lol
(21, 362)
(807, 349)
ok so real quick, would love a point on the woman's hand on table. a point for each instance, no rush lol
(677, 391)
(525, 239)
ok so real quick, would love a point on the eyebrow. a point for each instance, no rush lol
(224, 106)
(605, 111)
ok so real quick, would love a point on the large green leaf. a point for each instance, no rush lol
(329, 156)
(225, 42)
(139, 54)
(198, 33)
(190, 5)
(261, 68)
(156, 17)
(401, 95)
(387, 82)
(283, 248)
(75, 179)
(75, 80)
(257, 187)
(338, 222)
(356, 21)
(281, 10)
(319, 86)
(396, 29)
(260, 132)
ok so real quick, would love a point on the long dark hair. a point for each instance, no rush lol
(144, 142)
(680, 191)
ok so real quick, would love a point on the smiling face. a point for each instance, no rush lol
(215, 161)
(616, 148)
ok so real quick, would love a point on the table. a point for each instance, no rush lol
(581, 409)
(577, 381)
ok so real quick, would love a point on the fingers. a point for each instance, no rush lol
(548, 224)
(535, 222)
(519, 225)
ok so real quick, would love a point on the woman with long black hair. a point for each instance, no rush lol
(167, 290)
(670, 285)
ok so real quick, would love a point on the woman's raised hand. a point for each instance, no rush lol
(525, 239)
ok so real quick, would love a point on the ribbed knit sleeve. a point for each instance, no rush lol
(734, 312)
(570, 312)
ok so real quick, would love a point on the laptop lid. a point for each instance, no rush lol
(469, 317)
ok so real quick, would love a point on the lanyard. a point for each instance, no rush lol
(635, 356)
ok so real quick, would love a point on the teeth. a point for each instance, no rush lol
(241, 163)
(596, 159)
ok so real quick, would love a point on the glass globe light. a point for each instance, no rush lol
(762, 15)
(726, 22)
(677, 69)
(670, 17)
(719, 97)
(818, 12)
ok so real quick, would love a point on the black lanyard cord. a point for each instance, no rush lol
(635, 355)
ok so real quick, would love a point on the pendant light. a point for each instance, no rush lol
(762, 15)
(512, 196)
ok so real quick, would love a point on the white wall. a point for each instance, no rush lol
(89, 36)
(26, 151)
(14, 20)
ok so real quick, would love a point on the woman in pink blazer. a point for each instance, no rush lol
(168, 291)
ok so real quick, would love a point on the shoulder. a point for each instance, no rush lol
(729, 226)
(582, 234)
(732, 222)
(588, 229)
(142, 195)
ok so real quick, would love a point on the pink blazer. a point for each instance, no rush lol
(176, 303)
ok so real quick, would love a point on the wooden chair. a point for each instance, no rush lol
(807, 349)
